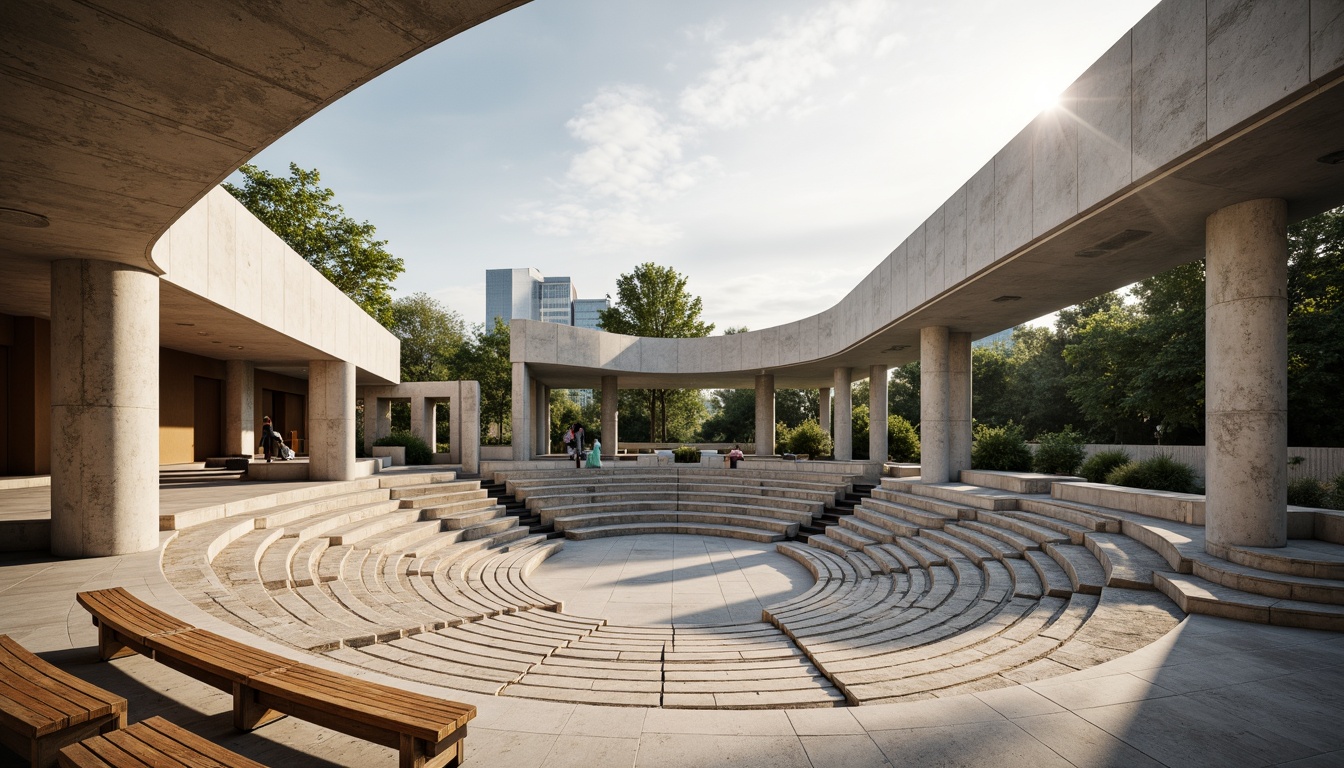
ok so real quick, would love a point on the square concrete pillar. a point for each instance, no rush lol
(239, 408)
(844, 415)
(467, 412)
(959, 404)
(611, 418)
(542, 431)
(877, 413)
(934, 405)
(331, 420)
(521, 420)
(424, 421)
(104, 409)
(1246, 376)
(377, 420)
(824, 409)
(765, 414)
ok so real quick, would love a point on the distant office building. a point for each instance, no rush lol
(588, 312)
(526, 293)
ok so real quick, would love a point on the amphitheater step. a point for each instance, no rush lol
(701, 529)
(1054, 581)
(1074, 532)
(1196, 595)
(1092, 518)
(962, 494)
(1126, 563)
(1085, 573)
(1302, 557)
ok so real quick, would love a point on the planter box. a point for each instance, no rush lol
(396, 452)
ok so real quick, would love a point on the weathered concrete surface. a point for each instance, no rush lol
(765, 415)
(331, 420)
(844, 415)
(934, 405)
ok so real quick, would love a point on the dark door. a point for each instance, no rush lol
(209, 419)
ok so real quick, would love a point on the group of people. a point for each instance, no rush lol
(574, 445)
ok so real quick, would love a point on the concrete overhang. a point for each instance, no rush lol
(1191, 111)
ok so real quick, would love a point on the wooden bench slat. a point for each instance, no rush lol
(217, 655)
(79, 756)
(128, 615)
(76, 700)
(109, 754)
(287, 686)
(156, 730)
(128, 742)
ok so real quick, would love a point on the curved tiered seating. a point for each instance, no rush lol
(753, 505)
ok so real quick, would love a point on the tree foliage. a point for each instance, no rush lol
(484, 357)
(652, 301)
(303, 213)
(431, 338)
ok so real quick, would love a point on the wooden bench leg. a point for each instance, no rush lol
(248, 715)
(416, 753)
(110, 646)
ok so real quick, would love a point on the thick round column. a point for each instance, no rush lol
(239, 408)
(104, 409)
(1246, 376)
(765, 414)
(844, 415)
(331, 420)
(520, 427)
(877, 413)
(824, 409)
(934, 399)
(959, 403)
(611, 418)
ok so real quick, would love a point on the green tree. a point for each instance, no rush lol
(484, 357)
(303, 213)
(652, 301)
(903, 392)
(794, 406)
(1316, 330)
(732, 417)
(430, 335)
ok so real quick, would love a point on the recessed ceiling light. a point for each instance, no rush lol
(1002, 299)
(202, 333)
(897, 347)
(17, 218)
(237, 347)
(187, 325)
(1113, 243)
(216, 342)
(1334, 158)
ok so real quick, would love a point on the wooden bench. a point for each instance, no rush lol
(43, 708)
(428, 732)
(155, 742)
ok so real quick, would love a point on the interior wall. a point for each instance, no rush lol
(25, 396)
(285, 400)
(178, 372)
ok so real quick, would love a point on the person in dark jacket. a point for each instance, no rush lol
(271, 444)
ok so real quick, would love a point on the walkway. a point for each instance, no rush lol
(1213, 692)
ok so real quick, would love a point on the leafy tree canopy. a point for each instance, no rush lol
(484, 357)
(653, 301)
(303, 213)
(431, 337)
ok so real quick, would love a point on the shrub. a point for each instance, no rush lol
(811, 439)
(417, 450)
(902, 439)
(782, 436)
(1159, 473)
(686, 454)
(1335, 499)
(1001, 448)
(1307, 492)
(1100, 464)
(1059, 453)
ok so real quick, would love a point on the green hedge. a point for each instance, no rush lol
(417, 450)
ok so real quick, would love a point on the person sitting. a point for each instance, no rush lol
(271, 443)
(735, 456)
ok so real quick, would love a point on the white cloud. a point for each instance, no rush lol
(775, 74)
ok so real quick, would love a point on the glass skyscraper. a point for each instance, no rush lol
(526, 293)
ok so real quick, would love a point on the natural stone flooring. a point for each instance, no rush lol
(670, 579)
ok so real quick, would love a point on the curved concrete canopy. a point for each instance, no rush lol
(119, 115)
(1198, 107)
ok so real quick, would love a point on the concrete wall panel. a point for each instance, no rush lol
(934, 252)
(807, 341)
(248, 253)
(1100, 101)
(900, 292)
(914, 269)
(1327, 37)
(1012, 195)
(954, 238)
(980, 251)
(1054, 164)
(1258, 53)
(788, 343)
(1169, 84)
(222, 248)
(189, 237)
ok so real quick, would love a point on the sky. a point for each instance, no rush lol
(774, 153)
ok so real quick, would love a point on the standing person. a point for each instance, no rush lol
(734, 456)
(595, 458)
(577, 429)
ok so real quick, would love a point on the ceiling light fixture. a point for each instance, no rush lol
(1334, 158)
(1002, 299)
(897, 348)
(187, 325)
(17, 218)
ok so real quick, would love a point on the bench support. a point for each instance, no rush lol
(248, 713)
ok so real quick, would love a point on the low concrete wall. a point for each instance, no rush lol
(1324, 464)
(1179, 507)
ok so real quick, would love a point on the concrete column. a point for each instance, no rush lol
(455, 424)
(877, 413)
(104, 409)
(934, 413)
(824, 409)
(1246, 376)
(541, 433)
(467, 413)
(611, 417)
(239, 408)
(521, 419)
(844, 415)
(959, 403)
(765, 414)
(377, 420)
(331, 420)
